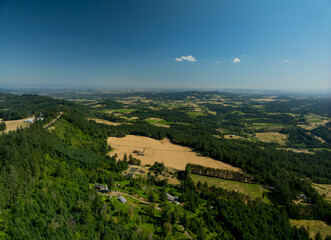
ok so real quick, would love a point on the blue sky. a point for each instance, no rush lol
(166, 43)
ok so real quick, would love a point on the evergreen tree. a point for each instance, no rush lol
(318, 236)
(2, 126)
(110, 182)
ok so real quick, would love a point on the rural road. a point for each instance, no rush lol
(140, 199)
(53, 121)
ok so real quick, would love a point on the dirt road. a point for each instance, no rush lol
(53, 121)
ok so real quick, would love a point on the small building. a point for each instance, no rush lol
(301, 196)
(130, 175)
(175, 202)
(139, 153)
(172, 199)
(30, 120)
(101, 188)
(121, 199)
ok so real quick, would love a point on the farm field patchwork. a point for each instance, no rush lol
(314, 121)
(173, 156)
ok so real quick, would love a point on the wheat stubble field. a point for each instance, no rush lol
(173, 156)
(12, 125)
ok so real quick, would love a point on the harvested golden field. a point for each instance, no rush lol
(142, 170)
(312, 126)
(232, 136)
(106, 122)
(272, 137)
(324, 190)
(315, 226)
(173, 156)
(299, 150)
(14, 124)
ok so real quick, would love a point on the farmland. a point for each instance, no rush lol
(272, 137)
(158, 122)
(313, 121)
(14, 124)
(313, 226)
(324, 190)
(252, 190)
(173, 156)
(103, 121)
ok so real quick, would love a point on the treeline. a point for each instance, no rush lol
(321, 106)
(272, 118)
(221, 173)
(185, 95)
(111, 104)
(324, 132)
(109, 117)
(2, 126)
(299, 138)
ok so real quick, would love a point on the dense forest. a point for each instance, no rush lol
(13, 107)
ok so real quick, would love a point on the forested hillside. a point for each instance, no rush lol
(47, 177)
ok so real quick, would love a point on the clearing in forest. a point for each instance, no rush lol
(324, 190)
(196, 114)
(314, 121)
(159, 122)
(272, 137)
(97, 120)
(313, 226)
(233, 136)
(173, 156)
(12, 125)
(249, 189)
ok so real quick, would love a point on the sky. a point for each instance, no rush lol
(255, 44)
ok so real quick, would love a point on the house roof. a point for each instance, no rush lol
(121, 199)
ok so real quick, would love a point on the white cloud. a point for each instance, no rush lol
(218, 62)
(286, 60)
(236, 60)
(189, 58)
